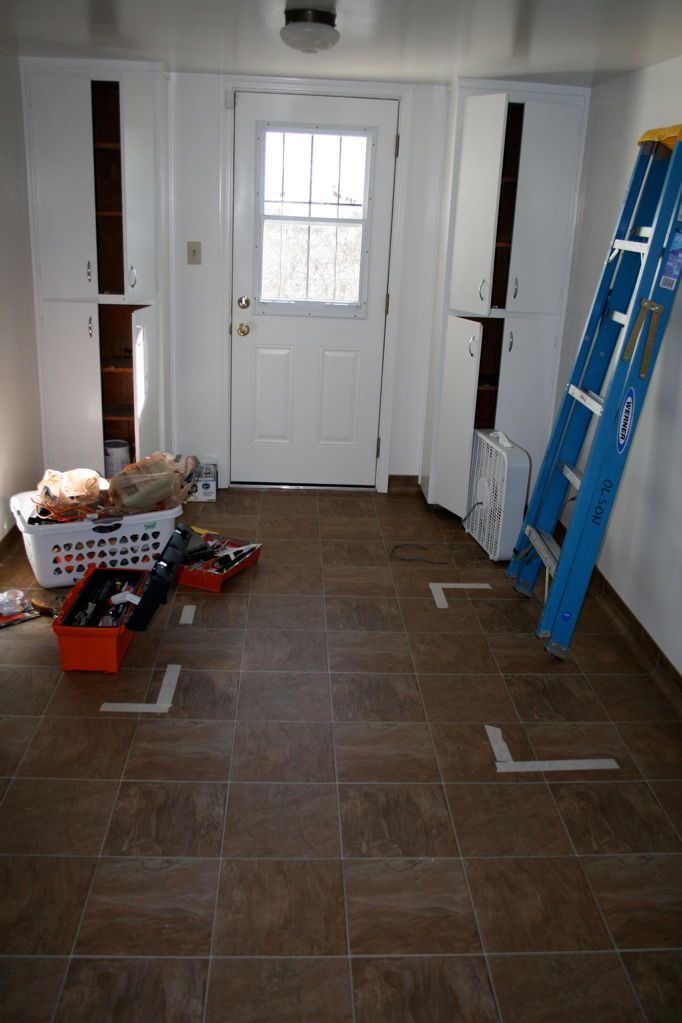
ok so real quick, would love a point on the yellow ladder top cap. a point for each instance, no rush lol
(668, 136)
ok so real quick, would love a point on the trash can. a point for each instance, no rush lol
(116, 456)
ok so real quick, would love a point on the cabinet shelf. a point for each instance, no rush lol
(118, 412)
(117, 366)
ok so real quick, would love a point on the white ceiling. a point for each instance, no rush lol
(579, 42)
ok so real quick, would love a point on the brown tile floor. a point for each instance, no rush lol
(316, 831)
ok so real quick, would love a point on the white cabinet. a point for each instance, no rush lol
(512, 215)
(63, 195)
(72, 405)
(515, 194)
(137, 160)
(526, 384)
(477, 203)
(461, 363)
(93, 182)
(543, 213)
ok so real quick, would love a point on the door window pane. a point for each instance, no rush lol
(313, 214)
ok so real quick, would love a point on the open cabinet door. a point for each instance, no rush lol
(146, 377)
(457, 412)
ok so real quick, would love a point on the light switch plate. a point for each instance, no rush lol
(194, 253)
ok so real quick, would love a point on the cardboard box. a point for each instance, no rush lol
(204, 482)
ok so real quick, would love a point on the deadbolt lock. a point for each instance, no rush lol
(243, 301)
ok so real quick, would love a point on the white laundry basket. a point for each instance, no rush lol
(60, 552)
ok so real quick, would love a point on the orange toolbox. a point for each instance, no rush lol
(104, 610)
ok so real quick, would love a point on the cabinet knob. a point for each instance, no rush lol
(243, 329)
(132, 276)
(480, 289)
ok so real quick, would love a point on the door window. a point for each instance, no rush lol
(313, 210)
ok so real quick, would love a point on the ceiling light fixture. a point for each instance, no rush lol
(309, 30)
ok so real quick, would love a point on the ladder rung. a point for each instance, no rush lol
(617, 317)
(627, 246)
(573, 475)
(592, 401)
(645, 232)
(546, 546)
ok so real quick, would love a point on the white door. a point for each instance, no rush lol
(147, 372)
(457, 413)
(70, 381)
(526, 388)
(538, 267)
(313, 198)
(477, 202)
(60, 136)
(139, 185)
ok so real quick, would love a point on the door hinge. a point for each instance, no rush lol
(397, 146)
(378, 446)
(388, 302)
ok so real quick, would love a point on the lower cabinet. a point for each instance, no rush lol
(100, 380)
(497, 374)
(70, 384)
(525, 399)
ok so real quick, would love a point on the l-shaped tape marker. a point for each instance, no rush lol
(163, 703)
(504, 764)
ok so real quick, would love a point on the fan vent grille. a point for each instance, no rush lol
(497, 491)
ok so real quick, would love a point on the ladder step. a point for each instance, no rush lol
(594, 402)
(546, 546)
(617, 317)
(573, 475)
(627, 246)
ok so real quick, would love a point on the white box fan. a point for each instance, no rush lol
(498, 483)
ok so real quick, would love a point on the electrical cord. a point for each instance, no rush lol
(424, 546)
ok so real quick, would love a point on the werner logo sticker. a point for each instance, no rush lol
(625, 422)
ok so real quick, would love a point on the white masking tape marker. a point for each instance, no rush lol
(438, 590)
(504, 764)
(187, 614)
(164, 701)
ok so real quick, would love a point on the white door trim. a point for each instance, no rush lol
(371, 90)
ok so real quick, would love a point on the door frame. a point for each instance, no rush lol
(322, 87)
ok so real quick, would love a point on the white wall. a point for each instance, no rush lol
(642, 553)
(201, 155)
(21, 459)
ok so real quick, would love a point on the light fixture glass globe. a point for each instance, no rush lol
(309, 30)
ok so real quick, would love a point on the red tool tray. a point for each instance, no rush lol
(209, 574)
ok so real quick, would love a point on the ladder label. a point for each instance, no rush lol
(625, 421)
(605, 497)
(673, 264)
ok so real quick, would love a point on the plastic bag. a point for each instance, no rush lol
(69, 493)
(159, 480)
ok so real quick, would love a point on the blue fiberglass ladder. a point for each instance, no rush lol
(593, 432)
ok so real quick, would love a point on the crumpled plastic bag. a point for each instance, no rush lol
(159, 480)
(63, 492)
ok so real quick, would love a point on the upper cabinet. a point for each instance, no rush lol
(95, 172)
(61, 156)
(513, 216)
(91, 145)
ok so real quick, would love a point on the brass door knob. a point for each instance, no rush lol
(243, 329)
